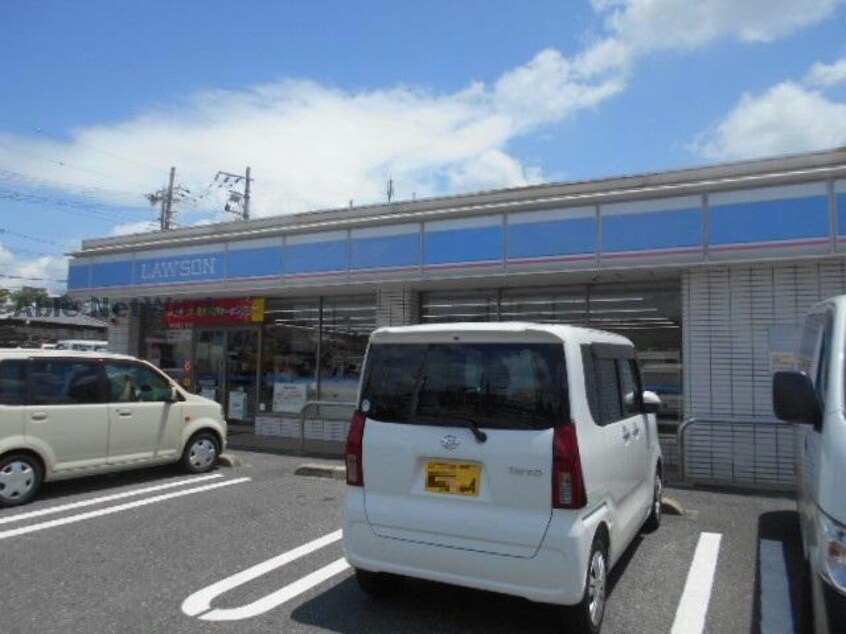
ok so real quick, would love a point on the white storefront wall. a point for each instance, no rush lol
(739, 325)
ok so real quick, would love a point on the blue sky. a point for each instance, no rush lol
(325, 100)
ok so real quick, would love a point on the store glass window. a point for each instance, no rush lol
(166, 348)
(545, 305)
(648, 313)
(289, 347)
(347, 324)
(464, 306)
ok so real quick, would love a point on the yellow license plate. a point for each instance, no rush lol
(454, 478)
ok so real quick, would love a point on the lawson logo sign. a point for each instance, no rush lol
(200, 267)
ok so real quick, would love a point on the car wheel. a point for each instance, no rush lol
(201, 453)
(379, 585)
(586, 616)
(653, 522)
(20, 479)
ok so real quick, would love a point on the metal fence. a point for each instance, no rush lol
(756, 454)
(329, 421)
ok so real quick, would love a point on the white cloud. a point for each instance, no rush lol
(45, 271)
(827, 75)
(785, 119)
(134, 227)
(311, 146)
(552, 87)
(650, 25)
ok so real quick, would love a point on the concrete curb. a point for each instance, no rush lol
(669, 506)
(322, 471)
(229, 460)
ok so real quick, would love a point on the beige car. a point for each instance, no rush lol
(65, 414)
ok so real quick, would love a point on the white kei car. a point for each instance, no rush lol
(512, 457)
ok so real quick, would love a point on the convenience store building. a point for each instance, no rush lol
(708, 270)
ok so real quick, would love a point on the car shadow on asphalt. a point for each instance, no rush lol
(426, 606)
(622, 563)
(780, 570)
(105, 483)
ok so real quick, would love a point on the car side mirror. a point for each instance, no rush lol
(795, 399)
(172, 395)
(651, 402)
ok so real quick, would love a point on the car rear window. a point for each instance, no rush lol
(496, 385)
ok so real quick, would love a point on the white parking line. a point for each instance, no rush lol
(109, 510)
(275, 599)
(199, 603)
(693, 607)
(106, 498)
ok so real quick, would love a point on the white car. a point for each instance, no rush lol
(512, 457)
(813, 396)
(65, 414)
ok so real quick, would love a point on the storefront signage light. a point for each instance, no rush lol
(177, 269)
(214, 311)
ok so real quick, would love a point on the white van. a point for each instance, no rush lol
(66, 414)
(513, 457)
(814, 396)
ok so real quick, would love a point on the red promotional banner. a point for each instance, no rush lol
(213, 311)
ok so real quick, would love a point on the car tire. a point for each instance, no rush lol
(379, 585)
(201, 452)
(653, 522)
(20, 479)
(586, 616)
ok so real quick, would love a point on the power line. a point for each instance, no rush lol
(30, 252)
(31, 279)
(84, 190)
(97, 209)
(4, 231)
(53, 161)
(238, 202)
(40, 131)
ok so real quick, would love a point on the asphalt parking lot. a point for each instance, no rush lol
(256, 548)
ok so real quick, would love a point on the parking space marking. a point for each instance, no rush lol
(199, 603)
(776, 612)
(693, 607)
(283, 595)
(109, 510)
(107, 498)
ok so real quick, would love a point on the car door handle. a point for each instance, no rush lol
(124, 412)
(636, 432)
(627, 435)
(38, 416)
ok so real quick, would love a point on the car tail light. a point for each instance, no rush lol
(568, 483)
(355, 447)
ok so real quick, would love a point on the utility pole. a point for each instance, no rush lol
(167, 216)
(237, 203)
(166, 198)
(247, 195)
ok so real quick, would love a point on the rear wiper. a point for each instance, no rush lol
(472, 425)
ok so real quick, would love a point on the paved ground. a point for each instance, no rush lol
(128, 563)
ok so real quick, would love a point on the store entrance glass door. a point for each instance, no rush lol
(226, 363)
(209, 364)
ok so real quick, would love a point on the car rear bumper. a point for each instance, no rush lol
(556, 574)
